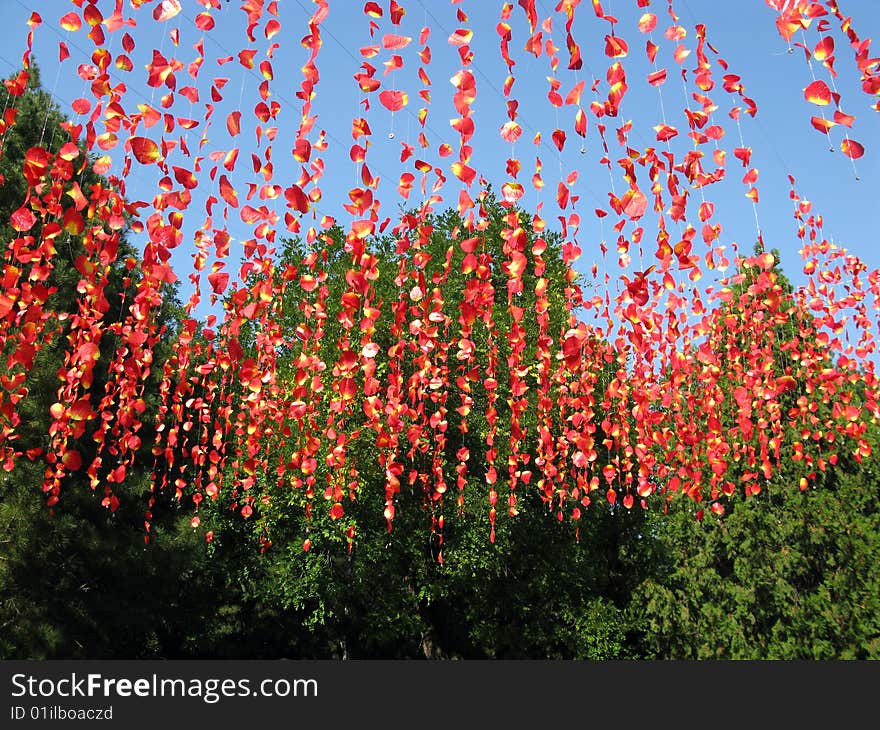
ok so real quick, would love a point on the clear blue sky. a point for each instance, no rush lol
(743, 32)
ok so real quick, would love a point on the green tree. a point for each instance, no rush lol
(76, 579)
(792, 569)
(546, 586)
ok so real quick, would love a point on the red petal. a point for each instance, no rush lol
(634, 204)
(272, 28)
(824, 48)
(558, 138)
(297, 199)
(852, 149)
(562, 195)
(72, 460)
(249, 214)
(81, 106)
(465, 173)
(647, 22)
(218, 281)
(204, 21)
(818, 93)
(580, 123)
(36, 162)
(166, 10)
(461, 37)
(574, 96)
(185, 177)
(233, 123)
(395, 42)
(81, 410)
(227, 192)
(845, 119)
(512, 192)
(511, 131)
(822, 125)
(657, 77)
(396, 12)
(69, 151)
(145, 150)
(71, 22)
(23, 219)
(372, 9)
(394, 100)
(615, 47)
(665, 132)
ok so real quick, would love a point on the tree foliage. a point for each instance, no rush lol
(788, 570)
(76, 579)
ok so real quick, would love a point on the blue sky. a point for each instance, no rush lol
(742, 31)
